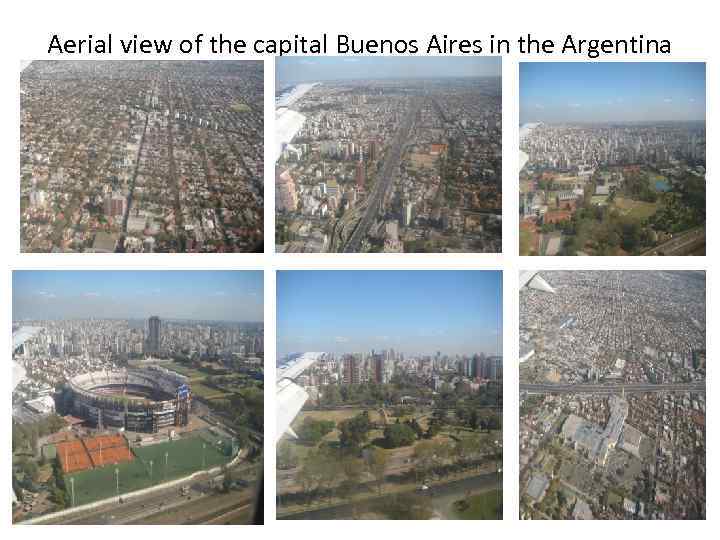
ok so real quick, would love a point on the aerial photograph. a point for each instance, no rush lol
(388, 155)
(137, 397)
(612, 395)
(141, 157)
(389, 395)
(612, 158)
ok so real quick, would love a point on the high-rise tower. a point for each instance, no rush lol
(153, 339)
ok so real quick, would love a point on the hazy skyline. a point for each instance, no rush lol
(82, 294)
(296, 69)
(455, 312)
(557, 92)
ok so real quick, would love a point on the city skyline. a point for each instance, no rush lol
(296, 69)
(195, 295)
(578, 92)
(365, 310)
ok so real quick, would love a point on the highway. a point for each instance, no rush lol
(614, 388)
(133, 509)
(383, 182)
(454, 489)
(120, 247)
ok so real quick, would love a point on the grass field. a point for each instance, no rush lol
(185, 456)
(635, 209)
(192, 374)
(207, 392)
(482, 506)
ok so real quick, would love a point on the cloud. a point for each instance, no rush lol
(539, 106)
(219, 293)
(46, 294)
(352, 59)
(341, 339)
(91, 294)
(574, 105)
(667, 100)
(692, 100)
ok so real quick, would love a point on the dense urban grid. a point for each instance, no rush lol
(105, 408)
(612, 391)
(411, 165)
(612, 189)
(141, 156)
(387, 435)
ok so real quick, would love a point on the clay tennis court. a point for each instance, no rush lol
(73, 456)
(107, 450)
(92, 452)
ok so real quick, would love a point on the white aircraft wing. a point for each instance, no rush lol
(290, 397)
(532, 279)
(297, 364)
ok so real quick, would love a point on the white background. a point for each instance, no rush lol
(691, 26)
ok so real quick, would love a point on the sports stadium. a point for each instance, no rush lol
(141, 400)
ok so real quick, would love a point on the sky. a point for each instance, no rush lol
(415, 312)
(611, 91)
(295, 69)
(205, 295)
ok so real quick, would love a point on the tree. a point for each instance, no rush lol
(377, 464)
(434, 427)
(354, 431)
(30, 469)
(424, 456)
(330, 468)
(397, 435)
(312, 430)
(332, 395)
(286, 458)
(353, 468)
(416, 427)
(310, 475)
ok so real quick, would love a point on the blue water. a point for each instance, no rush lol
(662, 185)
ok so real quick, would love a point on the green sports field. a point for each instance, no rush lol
(184, 457)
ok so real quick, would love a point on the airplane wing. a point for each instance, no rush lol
(290, 399)
(532, 279)
(290, 396)
(297, 363)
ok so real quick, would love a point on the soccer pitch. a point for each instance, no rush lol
(184, 457)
